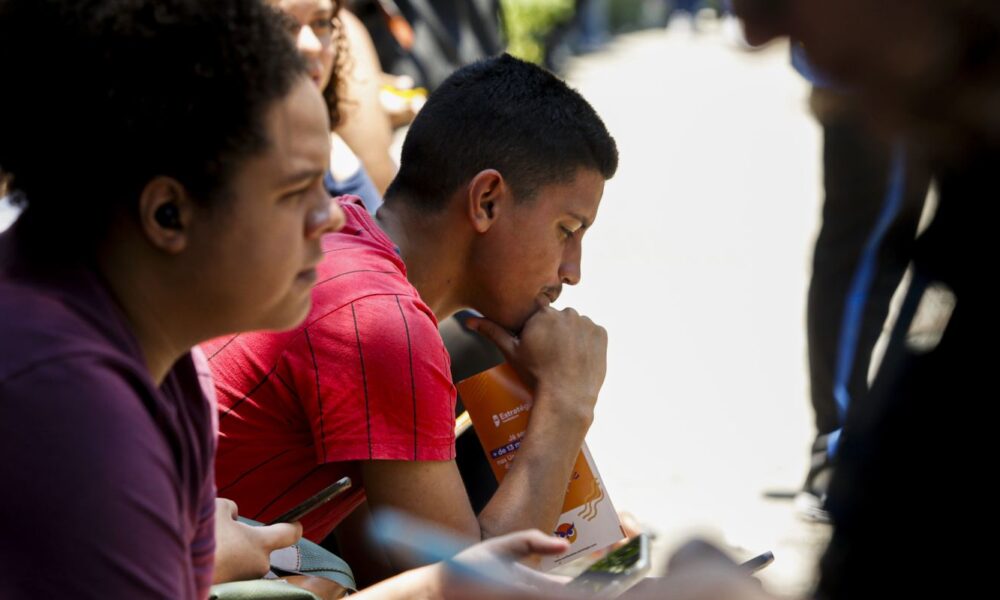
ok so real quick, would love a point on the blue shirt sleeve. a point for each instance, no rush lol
(359, 184)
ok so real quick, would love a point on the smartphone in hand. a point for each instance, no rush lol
(319, 499)
(758, 562)
(618, 571)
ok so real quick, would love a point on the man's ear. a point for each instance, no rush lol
(487, 197)
(165, 213)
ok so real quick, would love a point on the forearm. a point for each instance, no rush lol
(425, 583)
(367, 133)
(367, 558)
(381, 168)
(365, 126)
(532, 493)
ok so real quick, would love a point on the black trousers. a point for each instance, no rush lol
(909, 498)
(857, 167)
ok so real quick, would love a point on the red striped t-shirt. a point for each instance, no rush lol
(365, 377)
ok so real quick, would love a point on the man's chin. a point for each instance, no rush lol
(513, 318)
(516, 323)
(511, 323)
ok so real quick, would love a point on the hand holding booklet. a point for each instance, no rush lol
(499, 405)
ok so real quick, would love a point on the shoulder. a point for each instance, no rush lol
(79, 392)
(389, 340)
(107, 466)
(45, 332)
(393, 320)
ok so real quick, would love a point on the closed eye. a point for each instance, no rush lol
(296, 194)
(300, 192)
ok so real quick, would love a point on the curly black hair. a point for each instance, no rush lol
(506, 114)
(100, 96)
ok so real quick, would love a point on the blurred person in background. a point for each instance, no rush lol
(874, 191)
(911, 455)
(317, 28)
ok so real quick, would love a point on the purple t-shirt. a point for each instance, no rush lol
(106, 482)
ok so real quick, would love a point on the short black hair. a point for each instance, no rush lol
(506, 114)
(100, 96)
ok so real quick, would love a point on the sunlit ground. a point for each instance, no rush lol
(698, 267)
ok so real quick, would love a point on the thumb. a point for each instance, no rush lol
(279, 535)
(225, 507)
(523, 544)
(500, 337)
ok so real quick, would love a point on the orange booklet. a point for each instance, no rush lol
(499, 405)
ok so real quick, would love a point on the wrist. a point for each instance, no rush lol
(425, 583)
(430, 582)
(566, 407)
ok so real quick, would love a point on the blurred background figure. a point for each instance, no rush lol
(874, 190)
(427, 40)
(319, 33)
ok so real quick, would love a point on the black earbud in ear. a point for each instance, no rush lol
(167, 216)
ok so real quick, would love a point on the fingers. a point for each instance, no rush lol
(527, 543)
(279, 535)
(630, 524)
(496, 561)
(226, 507)
(500, 337)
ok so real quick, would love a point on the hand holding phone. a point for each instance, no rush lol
(489, 565)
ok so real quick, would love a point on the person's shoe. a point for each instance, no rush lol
(810, 502)
(811, 508)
